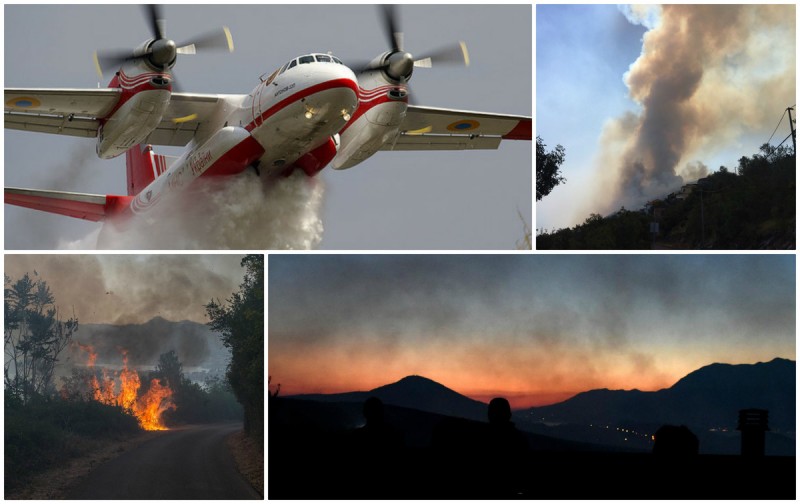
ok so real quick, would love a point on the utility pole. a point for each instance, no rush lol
(791, 126)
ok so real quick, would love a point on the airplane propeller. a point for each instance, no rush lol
(161, 52)
(399, 64)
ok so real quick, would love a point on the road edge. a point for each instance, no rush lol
(248, 458)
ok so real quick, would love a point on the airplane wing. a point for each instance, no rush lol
(78, 112)
(188, 115)
(92, 207)
(429, 128)
(74, 112)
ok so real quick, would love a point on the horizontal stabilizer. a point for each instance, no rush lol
(92, 207)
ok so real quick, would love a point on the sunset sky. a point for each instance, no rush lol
(536, 329)
(646, 98)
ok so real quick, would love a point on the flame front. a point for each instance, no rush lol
(147, 409)
(152, 404)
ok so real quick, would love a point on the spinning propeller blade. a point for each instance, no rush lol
(161, 52)
(399, 64)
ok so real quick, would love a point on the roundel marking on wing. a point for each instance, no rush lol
(23, 102)
(463, 125)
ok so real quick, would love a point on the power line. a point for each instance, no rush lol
(776, 126)
(787, 138)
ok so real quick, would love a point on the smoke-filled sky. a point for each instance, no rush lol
(144, 304)
(647, 98)
(132, 289)
(395, 200)
(534, 328)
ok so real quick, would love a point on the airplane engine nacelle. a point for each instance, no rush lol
(367, 134)
(313, 162)
(132, 122)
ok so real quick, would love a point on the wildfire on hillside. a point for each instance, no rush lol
(147, 407)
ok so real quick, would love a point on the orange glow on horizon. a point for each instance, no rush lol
(525, 376)
(473, 387)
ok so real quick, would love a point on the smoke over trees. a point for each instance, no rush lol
(707, 74)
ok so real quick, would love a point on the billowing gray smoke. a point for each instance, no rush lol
(241, 212)
(707, 75)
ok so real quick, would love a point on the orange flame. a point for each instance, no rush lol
(152, 404)
(89, 349)
(147, 409)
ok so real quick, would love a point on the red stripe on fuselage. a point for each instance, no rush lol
(131, 86)
(235, 160)
(323, 86)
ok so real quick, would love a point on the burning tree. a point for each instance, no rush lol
(147, 406)
(34, 337)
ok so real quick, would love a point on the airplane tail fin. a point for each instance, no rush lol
(92, 207)
(143, 166)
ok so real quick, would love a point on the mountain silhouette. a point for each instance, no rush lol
(708, 398)
(415, 392)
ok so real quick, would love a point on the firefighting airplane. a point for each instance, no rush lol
(311, 112)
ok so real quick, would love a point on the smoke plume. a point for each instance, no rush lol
(242, 212)
(195, 344)
(131, 289)
(707, 75)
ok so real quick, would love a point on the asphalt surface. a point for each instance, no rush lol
(185, 463)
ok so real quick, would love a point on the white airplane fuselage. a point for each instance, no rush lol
(291, 120)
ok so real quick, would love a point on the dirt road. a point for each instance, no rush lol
(185, 463)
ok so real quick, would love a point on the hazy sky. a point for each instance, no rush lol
(643, 99)
(132, 289)
(535, 328)
(435, 200)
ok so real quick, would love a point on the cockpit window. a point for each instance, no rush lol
(306, 59)
(324, 58)
(292, 64)
(337, 60)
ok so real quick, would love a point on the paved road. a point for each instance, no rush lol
(185, 463)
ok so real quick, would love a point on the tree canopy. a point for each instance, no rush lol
(753, 208)
(34, 336)
(548, 168)
(241, 323)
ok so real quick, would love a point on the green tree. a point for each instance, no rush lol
(548, 168)
(170, 370)
(34, 337)
(241, 323)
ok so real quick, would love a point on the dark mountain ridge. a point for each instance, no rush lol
(415, 392)
(708, 398)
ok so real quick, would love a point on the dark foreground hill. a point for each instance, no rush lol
(751, 209)
(315, 454)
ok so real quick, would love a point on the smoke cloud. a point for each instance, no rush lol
(707, 75)
(544, 323)
(132, 289)
(195, 344)
(242, 212)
